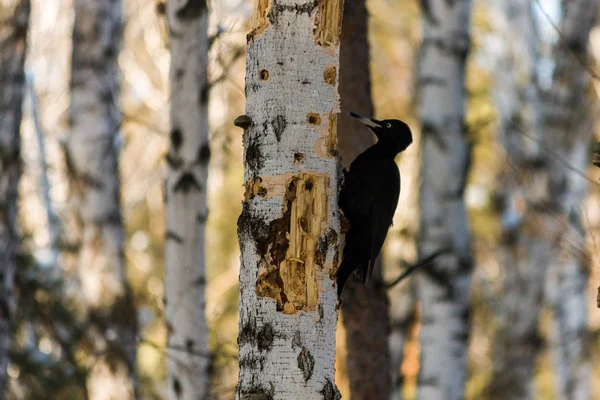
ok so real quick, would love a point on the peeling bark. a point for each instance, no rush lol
(289, 226)
(13, 40)
(188, 359)
(92, 161)
(365, 308)
(445, 285)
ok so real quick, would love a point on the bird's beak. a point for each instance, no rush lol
(370, 122)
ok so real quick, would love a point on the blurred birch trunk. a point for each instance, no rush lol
(289, 225)
(445, 284)
(185, 277)
(525, 247)
(92, 152)
(13, 35)
(365, 308)
(568, 122)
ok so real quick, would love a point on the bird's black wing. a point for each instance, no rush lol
(368, 199)
(382, 212)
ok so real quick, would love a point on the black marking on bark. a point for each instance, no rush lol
(265, 338)
(189, 345)
(325, 241)
(329, 391)
(427, 13)
(254, 156)
(176, 138)
(177, 386)
(298, 157)
(430, 130)
(92, 181)
(174, 161)
(248, 333)
(296, 340)
(202, 217)
(320, 311)
(191, 10)
(203, 97)
(305, 82)
(201, 280)
(258, 393)
(186, 183)
(170, 235)
(253, 362)
(432, 81)
(204, 153)
(278, 124)
(170, 328)
(179, 73)
(306, 363)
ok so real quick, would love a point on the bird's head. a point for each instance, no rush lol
(391, 132)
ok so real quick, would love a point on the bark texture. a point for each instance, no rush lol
(568, 122)
(445, 284)
(525, 247)
(365, 308)
(92, 153)
(13, 35)
(289, 225)
(185, 277)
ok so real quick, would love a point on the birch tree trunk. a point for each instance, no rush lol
(365, 308)
(526, 244)
(445, 284)
(289, 225)
(92, 161)
(13, 35)
(185, 278)
(569, 125)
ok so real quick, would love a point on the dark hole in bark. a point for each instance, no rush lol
(264, 75)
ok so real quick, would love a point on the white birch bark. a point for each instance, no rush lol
(185, 278)
(13, 35)
(525, 247)
(445, 284)
(568, 125)
(92, 161)
(289, 225)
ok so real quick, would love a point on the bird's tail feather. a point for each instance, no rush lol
(355, 258)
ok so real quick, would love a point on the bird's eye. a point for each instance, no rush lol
(389, 125)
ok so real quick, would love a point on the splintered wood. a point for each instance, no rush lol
(292, 282)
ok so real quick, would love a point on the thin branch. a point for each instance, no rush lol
(417, 265)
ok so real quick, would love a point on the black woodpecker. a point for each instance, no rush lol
(369, 197)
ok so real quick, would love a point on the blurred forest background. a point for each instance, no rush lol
(48, 356)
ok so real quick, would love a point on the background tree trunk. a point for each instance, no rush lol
(13, 35)
(569, 125)
(185, 276)
(525, 247)
(445, 284)
(365, 308)
(289, 225)
(92, 159)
